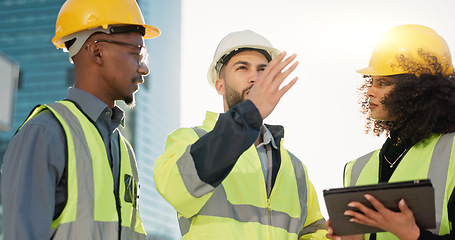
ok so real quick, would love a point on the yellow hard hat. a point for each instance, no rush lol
(410, 42)
(81, 15)
(235, 41)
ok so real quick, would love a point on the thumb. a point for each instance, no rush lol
(404, 207)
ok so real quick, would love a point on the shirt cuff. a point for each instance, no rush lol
(250, 113)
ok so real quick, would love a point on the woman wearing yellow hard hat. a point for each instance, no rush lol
(408, 95)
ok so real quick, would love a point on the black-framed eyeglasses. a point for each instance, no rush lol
(141, 49)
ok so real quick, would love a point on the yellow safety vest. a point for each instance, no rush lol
(90, 211)
(239, 207)
(434, 160)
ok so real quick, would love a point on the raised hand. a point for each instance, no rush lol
(266, 92)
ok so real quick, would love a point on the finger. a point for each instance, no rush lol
(404, 207)
(288, 60)
(288, 86)
(282, 76)
(329, 236)
(376, 204)
(270, 66)
(364, 209)
(274, 62)
(367, 216)
(277, 68)
(282, 65)
(329, 230)
(354, 214)
(360, 218)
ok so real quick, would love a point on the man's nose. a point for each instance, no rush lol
(254, 75)
(143, 69)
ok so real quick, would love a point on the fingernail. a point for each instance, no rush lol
(367, 196)
(351, 204)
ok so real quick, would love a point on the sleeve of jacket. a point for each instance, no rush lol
(191, 167)
(33, 164)
(314, 227)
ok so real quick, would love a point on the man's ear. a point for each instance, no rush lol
(219, 86)
(95, 53)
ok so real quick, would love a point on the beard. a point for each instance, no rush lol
(233, 97)
(130, 101)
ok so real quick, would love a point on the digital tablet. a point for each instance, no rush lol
(418, 195)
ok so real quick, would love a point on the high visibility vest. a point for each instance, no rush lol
(434, 160)
(91, 208)
(238, 208)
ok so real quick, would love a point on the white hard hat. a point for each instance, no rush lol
(232, 43)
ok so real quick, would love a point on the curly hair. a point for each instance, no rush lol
(422, 103)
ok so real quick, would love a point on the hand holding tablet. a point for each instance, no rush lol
(418, 195)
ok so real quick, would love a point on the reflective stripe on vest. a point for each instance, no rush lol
(358, 166)
(88, 180)
(437, 173)
(219, 206)
(132, 227)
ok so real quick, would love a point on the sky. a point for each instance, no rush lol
(332, 39)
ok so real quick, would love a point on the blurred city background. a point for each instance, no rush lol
(44, 75)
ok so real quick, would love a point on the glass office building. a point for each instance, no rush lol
(26, 30)
(158, 112)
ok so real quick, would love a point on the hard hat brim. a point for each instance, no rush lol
(151, 31)
(370, 71)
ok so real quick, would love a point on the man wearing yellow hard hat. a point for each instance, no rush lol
(68, 173)
(232, 178)
(408, 94)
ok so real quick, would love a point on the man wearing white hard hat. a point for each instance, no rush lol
(231, 178)
(68, 173)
